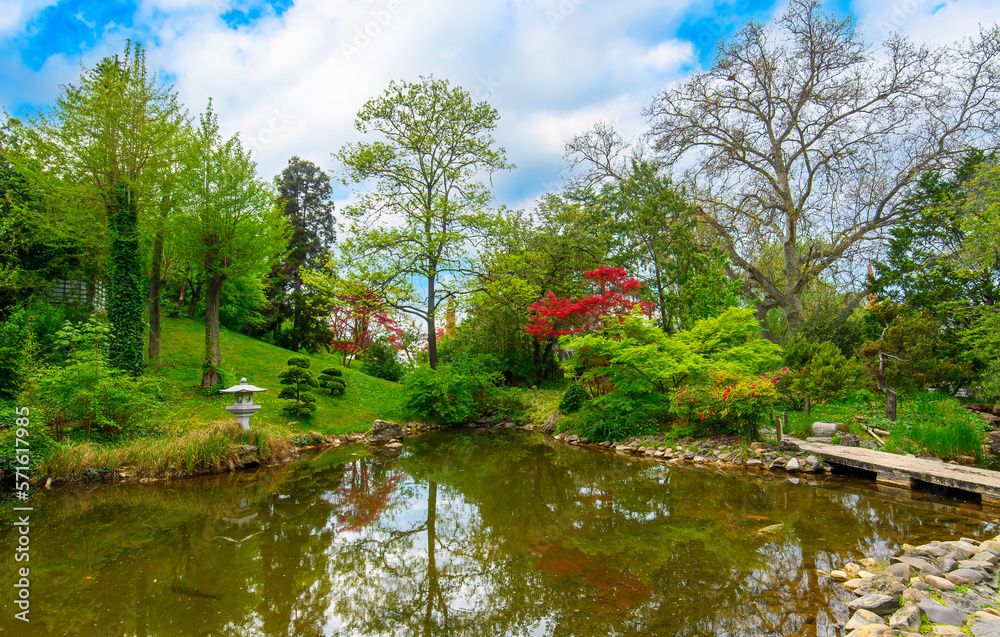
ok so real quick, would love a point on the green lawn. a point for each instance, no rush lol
(366, 399)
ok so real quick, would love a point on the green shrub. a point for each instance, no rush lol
(379, 360)
(38, 438)
(445, 395)
(574, 398)
(332, 380)
(84, 392)
(297, 381)
(937, 423)
(507, 404)
(821, 371)
(17, 344)
(726, 402)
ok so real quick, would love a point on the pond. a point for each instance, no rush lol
(465, 533)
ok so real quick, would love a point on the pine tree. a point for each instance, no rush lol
(297, 380)
(332, 380)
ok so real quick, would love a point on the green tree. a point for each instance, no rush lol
(104, 139)
(307, 194)
(429, 201)
(821, 372)
(297, 381)
(234, 227)
(332, 380)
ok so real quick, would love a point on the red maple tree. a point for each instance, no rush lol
(357, 315)
(614, 296)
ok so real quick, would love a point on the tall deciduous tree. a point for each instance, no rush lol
(804, 136)
(307, 194)
(428, 201)
(235, 226)
(106, 137)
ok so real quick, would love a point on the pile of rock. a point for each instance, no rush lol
(950, 587)
(785, 456)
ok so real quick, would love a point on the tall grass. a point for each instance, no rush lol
(211, 449)
(936, 423)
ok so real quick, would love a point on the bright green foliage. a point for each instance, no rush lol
(821, 371)
(332, 380)
(446, 395)
(297, 381)
(17, 343)
(379, 360)
(732, 341)
(724, 401)
(938, 423)
(84, 392)
(635, 371)
(434, 145)
(573, 399)
(104, 142)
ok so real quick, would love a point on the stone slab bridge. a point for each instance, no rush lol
(906, 472)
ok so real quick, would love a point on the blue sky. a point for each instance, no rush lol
(289, 75)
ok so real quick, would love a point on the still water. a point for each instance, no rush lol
(471, 533)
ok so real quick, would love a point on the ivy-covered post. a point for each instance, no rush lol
(124, 289)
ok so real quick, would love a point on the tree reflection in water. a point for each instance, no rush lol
(464, 534)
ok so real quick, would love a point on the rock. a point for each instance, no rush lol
(916, 562)
(878, 604)
(871, 630)
(865, 618)
(383, 432)
(987, 556)
(968, 574)
(822, 428)
(919, 584)
(947, 631)
(394, 445)
(572, 438)
(986, 628)
(914, 594)
(550, 423)
(947, 564)
(851, 568)
(793, 464)
(788, 445)
(906, 618)
(812, 463)
(941, 614)
(853, 584)
(939, 583)
(976, 565)
(870, 444)
(902, 570)
(865, 575)
(839, 576)
(755, 464)
(850, 440)
(982, 614)
(881, 585)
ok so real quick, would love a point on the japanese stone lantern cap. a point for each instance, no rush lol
(242, 387)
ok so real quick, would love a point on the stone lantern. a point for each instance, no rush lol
(242, 406)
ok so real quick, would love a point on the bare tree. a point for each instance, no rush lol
(802, 139)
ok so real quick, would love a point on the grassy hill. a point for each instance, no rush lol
(183, 346)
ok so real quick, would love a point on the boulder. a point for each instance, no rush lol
(383, 432)
(881, 585)
(906, 618)
(871, 630)
(550, 423)
(939, 583)
(941, 614)
(793, 465)
(850, 440)
(902, 570)
(986, 628)
(878, 604)
(788, 445)
(865, 618)
(821, 428)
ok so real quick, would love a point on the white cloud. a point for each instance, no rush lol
(15, 14)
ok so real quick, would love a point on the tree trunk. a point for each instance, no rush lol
(890, 395)
(433, 585)
(155, 288)
(296, 311)
(124, 290)
(432, 353)
(213, 296)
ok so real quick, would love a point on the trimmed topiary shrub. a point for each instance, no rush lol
(297, 380)
(332, 380)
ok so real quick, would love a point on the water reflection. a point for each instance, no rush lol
(464, 534)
